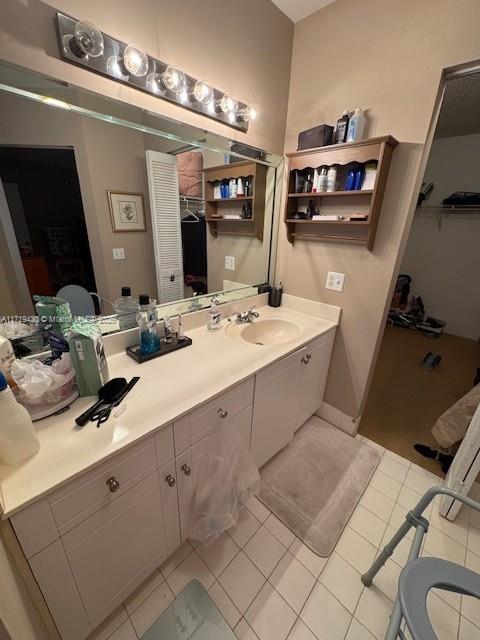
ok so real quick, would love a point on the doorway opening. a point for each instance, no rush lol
(43, 195)
(425, 387)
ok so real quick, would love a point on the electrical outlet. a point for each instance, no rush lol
(335, 281)
(230, 263)
(118, 254)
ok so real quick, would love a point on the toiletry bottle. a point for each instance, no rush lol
(315, 181)
(214, 318)
(126, 308)
(356, 126)
(232, 188)
(350, 181)
(7, 358)
(248, 188)
(147, 325)
(331, 179)
(342, 127)
(240, 190)
(359, 175)
(308, 184)
(322, 180)
(310, 210)
(18, 440)
(216, 190)
(181, 337)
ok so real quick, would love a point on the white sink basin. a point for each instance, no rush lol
(269, 331)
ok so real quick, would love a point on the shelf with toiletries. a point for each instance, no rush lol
(338, 185)
(235, 199)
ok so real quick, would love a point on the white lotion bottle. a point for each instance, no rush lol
(18, 440)
(356, 126)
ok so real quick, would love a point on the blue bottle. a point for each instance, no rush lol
(350, 181)
(359, 175)
(147, 325)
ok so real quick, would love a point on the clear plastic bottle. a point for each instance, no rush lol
(356, 126)
(126, 308)
(18, 440)
(147, 325)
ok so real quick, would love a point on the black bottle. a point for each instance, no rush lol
(308, 184)
(342, 128)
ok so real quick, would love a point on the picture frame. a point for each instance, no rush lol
(127, 211)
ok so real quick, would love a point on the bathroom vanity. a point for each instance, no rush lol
(97, 510)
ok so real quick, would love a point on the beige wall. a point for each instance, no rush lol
(385, 56)
(240, 47)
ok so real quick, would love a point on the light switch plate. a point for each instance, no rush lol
(335, 281)
(230, 263)
(118, 254)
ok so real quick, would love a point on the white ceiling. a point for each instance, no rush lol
(298, 9)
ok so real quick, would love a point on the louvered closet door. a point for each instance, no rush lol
(167, 233)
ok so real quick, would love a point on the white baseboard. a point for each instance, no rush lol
(339, 419)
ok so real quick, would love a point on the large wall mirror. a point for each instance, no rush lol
(97, 195)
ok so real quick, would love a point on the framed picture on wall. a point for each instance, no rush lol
(126, 211)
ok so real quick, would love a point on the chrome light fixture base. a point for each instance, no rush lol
(110, 64)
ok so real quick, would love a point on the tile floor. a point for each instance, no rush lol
(270, 586)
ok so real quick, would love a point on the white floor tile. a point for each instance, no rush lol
(387, 579)
(124, 632)
(395, 456)
(145, 615)
(242, 581)
(193, 567)
(244, 631)
(458, 529)
(373, 611)
(401, 553)
(420, 483)
(377, 503)
(115, 620)
(143, 591)
(226, 607)
(270, 616)
(468, 631)
(473, 542)
(281, 532)
(393, 468)
(310, 560)
(343, 581)
(293, 582)
(357, 631)
(325, 616)
(246, 527)
(219, 554)
(258, 509)
(265, 551)
(300, 631)
(176, 558)
(444, 619)
(385, 484)
(474, 518)
(356, 550)
(428, 474)
(473, 561)
(368, 525)
(408, 498)
(442, 546)
(398, 518)
(470, 607)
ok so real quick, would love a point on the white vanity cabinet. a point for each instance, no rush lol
(287, 393)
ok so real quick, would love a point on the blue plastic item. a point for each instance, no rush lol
(350, 181)
(3, 382)
(359, 175)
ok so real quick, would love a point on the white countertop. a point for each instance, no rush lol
(169, 387)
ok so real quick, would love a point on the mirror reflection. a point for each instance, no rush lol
(95, 213)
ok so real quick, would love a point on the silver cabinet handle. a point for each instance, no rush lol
(113, 484)
(186, 469)
(170, 480)
(306, 359)
(222, 413)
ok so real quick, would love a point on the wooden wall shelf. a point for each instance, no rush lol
(343, 203)
(257, 174)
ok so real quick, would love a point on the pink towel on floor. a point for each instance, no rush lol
(190, 168)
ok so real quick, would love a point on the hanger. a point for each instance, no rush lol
(190, 213)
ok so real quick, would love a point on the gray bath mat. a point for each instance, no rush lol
(314, 484)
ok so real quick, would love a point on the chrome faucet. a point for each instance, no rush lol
(247, 316)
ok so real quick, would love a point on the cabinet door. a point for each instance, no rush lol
(114, 550)
(188, 466)
(315, 360)
(275, 407)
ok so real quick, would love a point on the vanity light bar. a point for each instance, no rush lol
(81, 43)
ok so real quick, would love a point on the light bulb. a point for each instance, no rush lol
(174, 79)
(227, 104)
(115, 68)
(203, 92)
(135, 61)
(250, 112)
(87, 40)
(154, 82)
(55, 102)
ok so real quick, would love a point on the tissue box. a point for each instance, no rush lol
(87, 354)
(319, 136)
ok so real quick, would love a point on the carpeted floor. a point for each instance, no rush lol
(405, 400)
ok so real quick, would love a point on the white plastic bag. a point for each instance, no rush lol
(227, 478)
